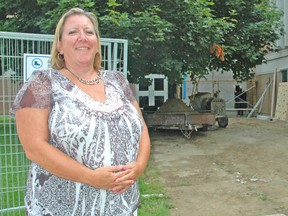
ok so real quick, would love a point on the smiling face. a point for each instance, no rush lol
(78, 43)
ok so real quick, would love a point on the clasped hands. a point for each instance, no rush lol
(116, 178)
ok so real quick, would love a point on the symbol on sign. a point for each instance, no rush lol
(37, 63)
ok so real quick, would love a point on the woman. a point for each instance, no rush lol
(81, 128)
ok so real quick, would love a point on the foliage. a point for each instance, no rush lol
(17, 15)
(166, 37)
(195, 30)
(169, 37)
(52, 11)
(146, 33)
(257, 28)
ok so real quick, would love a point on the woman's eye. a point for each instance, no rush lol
(90, 32)
(71, 32)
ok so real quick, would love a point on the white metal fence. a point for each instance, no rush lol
(13, 162)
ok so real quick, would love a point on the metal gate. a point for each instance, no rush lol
(13, 162)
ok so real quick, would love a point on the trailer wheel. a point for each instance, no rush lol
(223, 121)
(204, 127)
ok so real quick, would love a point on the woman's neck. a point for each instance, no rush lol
(81, 69)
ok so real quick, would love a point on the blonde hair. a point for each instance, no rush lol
(57, 60)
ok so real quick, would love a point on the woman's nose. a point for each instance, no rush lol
(82, 36)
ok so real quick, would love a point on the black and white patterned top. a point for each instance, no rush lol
(94, 133)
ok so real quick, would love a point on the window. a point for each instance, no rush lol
(284, 75)
(143, 101)
(159, 84)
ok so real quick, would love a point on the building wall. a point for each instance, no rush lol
(283, 5)
(277, 63)
(222, 82)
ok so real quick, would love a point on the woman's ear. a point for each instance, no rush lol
(60, 50)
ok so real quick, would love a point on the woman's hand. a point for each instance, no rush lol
(133, 170)
(106, 178)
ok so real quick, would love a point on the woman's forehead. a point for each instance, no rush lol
(78, 19)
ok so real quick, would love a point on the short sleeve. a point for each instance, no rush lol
(35, 92)
(125, 85)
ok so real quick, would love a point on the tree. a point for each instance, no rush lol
(146, 32)
(53, 10)
(257, 28)
(195, 35)
(169, 37)
(196, 29)
(164, 37)
(17, 15)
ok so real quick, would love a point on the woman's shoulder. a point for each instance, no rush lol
(42, 78)
(40, 74)
(109, 72)
(44, 75)
(112, 74)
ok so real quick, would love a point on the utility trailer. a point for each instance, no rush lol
(175, 114)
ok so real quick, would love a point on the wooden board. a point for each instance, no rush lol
(281, 111)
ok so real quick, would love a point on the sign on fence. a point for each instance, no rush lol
(34, 62)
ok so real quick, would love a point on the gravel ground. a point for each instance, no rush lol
(240, 170)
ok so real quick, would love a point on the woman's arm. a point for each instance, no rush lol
(144, 148)
(33, 132)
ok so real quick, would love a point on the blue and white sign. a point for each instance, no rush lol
(34, 62)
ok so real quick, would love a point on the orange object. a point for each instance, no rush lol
(219, 51)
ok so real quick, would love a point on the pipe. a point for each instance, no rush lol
(273, 95)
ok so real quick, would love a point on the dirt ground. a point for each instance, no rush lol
(241, 170)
